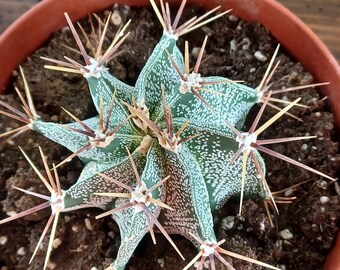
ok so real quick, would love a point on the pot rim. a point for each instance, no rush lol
(298, 39)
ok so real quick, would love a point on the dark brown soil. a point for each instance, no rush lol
(86, 243)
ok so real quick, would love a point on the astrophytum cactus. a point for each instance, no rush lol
(167, 153)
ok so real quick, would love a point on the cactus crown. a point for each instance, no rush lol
(168, 152)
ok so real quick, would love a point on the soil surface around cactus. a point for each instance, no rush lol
(304, 229)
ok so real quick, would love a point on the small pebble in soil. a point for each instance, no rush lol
(51, 265)
(56, 243)
(94, 268)
(233, 44)
(21, 251)
(324, 199)
(337, 188)
(263, 225)
(233, 18)
(15, 73)
(278, 243)
(228, 222)
(88, 224)
(249, 229)
(286, 234)
(67, 219)
(304, 147)
(11, 213)
(260, 56)
(205, 264)
(75, 228)
(246, 44)
(54, 118)
(207, 31)
(3, 240)
(65, 30)
(240, 227)
(111, 234)
(116, 19)
(195, 52)
(289, 192)
(161, 262)
(323, 184)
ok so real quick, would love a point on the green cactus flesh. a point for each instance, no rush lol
(201, 176)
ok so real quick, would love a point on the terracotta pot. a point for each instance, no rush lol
(333, 259)
(35, 26)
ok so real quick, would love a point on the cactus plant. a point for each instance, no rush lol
(167, 152)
